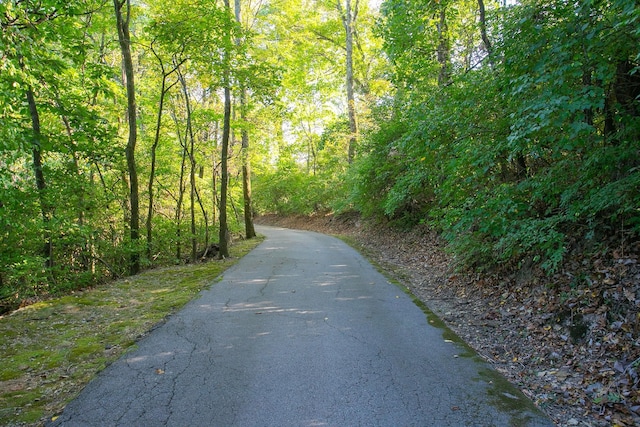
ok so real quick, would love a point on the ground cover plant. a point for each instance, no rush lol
(51, 349)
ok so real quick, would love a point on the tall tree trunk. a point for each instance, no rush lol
(81, 206)
(125, 46)
(190, 143)
(349, 16)
(483, 30)
(250, 231)
(444, 47)
(163, 92)
(214, 172)
(45, 208)
(226, 132)
(224, 174)
(125, 205)
(152, 173)
(181, 190)
(192, 205)
(206, 218)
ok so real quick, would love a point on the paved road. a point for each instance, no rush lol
(301, 332)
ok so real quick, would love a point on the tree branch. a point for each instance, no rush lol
(328, 39)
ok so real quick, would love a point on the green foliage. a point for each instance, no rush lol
(304, 187)
(375, 180)
(292, 191)
(61, 51)
(518, 157)
(513, 145)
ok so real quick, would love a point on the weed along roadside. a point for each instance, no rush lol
(50, 350)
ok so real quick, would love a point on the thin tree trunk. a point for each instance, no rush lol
(249, 228)
(152, 173)
(85, 260)
(234, 208)
(179, 207)
(224, 184)
(125, 203)
(483, 30)
(45, 208)
(91, 239)
(226, 133)
(192, 172)
(214, 173)
(206, 219)
(125, 46)
(192, 205)
(181, 188)
(163, 92)
(164, 89)
(349, 16)
(443, 48)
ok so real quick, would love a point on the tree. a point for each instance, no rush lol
(250, 231)
(189, 148)
(349, 16)
(164, 89)
(498, 131)
(52, 116)
(226, 134)
(39, 177)
(122, 23)
(21, 24)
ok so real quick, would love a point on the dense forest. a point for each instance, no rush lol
(135, 134)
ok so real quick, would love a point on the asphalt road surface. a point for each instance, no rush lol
(303, 331)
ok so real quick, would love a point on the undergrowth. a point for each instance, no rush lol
(52, 348)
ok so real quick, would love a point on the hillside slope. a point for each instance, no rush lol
(571, 341)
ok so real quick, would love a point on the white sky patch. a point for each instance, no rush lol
(375, 4)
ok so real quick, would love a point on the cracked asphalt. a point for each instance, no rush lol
(303, 331)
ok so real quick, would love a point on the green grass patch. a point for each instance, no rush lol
(51, 349)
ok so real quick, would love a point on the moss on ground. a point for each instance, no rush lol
(51, 349)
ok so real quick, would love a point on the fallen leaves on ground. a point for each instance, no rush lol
(570, 341)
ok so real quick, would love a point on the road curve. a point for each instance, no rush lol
(303, 331)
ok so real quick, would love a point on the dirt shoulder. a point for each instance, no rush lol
(570, 342)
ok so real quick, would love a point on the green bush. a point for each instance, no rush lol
(518, 158)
